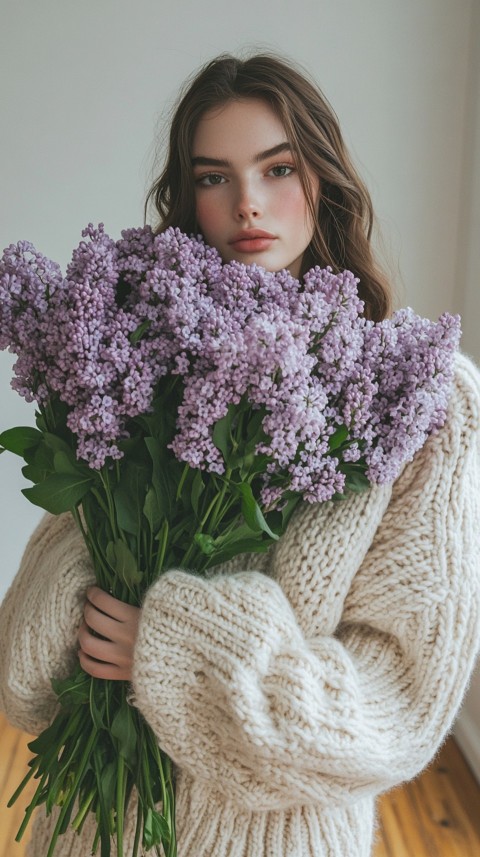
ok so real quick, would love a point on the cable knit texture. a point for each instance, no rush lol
(289, 688)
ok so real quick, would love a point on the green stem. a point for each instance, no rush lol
(226, 481)
(146, 786)
(182, 481)
(26, 779)
(193, 546)
(100, 501)
(162, 548)
(67, 807)
(49, 417)
(80, 816)
(79, 523)
(100, 566)
(32, 805)
(138, 830)
(90, 542)
(111, 507)
(120, 795)
(96, 839)
(164, 766)
(207, 513)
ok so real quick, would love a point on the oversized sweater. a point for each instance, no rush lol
(291, 688)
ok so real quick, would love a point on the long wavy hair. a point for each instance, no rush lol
(343, 215)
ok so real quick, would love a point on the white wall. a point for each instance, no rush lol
(85, 89)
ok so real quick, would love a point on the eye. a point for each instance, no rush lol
(209, 180)
(280, 170)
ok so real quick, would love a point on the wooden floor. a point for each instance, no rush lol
(436, 815)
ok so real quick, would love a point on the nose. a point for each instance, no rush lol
(247, 204)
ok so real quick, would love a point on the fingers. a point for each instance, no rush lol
(99, 669)
(101, 650)
(109, 655)
(108, 604)
(102, 658)
(102, 624)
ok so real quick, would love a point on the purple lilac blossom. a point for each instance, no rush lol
(131, 311)
(28, 283)
(414, 371)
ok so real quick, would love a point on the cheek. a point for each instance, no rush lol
(294, 207)
(208, 215)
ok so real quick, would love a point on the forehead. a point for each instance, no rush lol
(239, 128)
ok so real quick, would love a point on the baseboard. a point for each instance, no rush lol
(467, 736)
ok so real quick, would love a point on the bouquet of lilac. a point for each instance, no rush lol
(185, 407)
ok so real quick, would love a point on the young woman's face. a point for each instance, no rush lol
(246, 183)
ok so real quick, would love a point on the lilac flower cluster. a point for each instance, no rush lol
(75, 336)
(408, 363)
(29, 283)
(131, 311)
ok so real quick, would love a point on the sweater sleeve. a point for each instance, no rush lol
(340, 673)
(39, 619)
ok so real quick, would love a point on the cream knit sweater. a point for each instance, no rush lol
(290, 689)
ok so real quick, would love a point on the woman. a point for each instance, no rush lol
(289, 688)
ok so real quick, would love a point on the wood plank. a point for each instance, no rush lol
(461, 786)
(13, 767)
(435, 815)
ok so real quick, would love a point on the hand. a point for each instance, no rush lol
(111, 654)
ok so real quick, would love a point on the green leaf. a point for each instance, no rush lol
(34, 474)
(40, 422)
(160, 424)
(198, 486)
(126, 512)
(222, 432)
(279, 519)
(106, 775)
(41, 456)
(20, 438)
(246, 464)
(123, 563)
(60, 492)
(241, 546)
(152, 511)
(97, 711)
(139, 331)
(129, 495)
(289, 509)
(259, 464)
(64, 462)
(123, 729)
(54, 794)
(49, 737)
(251, 510)
(57, 444)
(240, 540)
(357, 482)
(221, 435)
(337, 438)
(163, 483)
(254, 425)
(74, 690)
(239, 533)
(155, 828)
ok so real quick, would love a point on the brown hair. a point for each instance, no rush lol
(344, 214)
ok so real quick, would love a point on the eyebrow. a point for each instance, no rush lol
(201, 161)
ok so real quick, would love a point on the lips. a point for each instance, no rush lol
(252, 245)
(252, 240)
